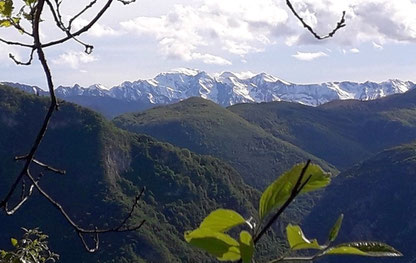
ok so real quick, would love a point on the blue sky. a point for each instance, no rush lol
(148, 37)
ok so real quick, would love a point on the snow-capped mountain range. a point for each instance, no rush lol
(228, 89)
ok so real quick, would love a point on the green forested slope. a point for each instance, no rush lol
(109, 107)
(340, 132)
(378, 199)
(206, 128)
(106, 167)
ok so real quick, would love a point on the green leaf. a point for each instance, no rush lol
(279, 191)
(29, 2)
(217, 244)
(246, 246)
(222, 220)
(335, 229)
(297, 239)
(370, 249)
(6, 7)
(14, 242)
(5, 23)
(28, 16)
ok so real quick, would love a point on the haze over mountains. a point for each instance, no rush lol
(225, 89)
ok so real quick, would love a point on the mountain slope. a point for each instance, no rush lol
(378, 200)
(206, 128)
(225, 89)
(340, 132)
(106, 167)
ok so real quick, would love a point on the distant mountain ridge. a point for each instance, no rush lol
(226, 89)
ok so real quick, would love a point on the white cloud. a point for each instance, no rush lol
(235, 26)
(377, 46)
(97, 30)
(309, 56)
(241, 27)
(210, 59)
(377, 21)
(245, 74)
(354, 50)
(74, 59)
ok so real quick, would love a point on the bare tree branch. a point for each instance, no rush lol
(23, 198)
(126, 2)
(83, 29)
(18, 62)
(14, 43)
(43, 165)
(53, 106)
(91, 4)
(56, 15)
(96, 242)
(339, 25)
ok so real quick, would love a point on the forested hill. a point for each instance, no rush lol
(106, 167)
(207, 128)
(340, 132)
(378, 199)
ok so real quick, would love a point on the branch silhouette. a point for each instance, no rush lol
(339, 25)
(36, 10)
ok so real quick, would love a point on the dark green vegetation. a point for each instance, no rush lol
(206, 128)
(109, 107)
(340, 132)
(106, 167)
(378, 199)
(377, 203)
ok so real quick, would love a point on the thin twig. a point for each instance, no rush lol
(83, 29)
(14, 43)
(295, 192)
(56, 16)
(289, 259)
(41, 164)
(23, 198)
(339, 25)
(96, 242)
(130, 214)
(18, 62)
(37, 46)
(91, 4)
(79, 229)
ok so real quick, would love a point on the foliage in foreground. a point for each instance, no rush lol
(212, 236)
(32, 248)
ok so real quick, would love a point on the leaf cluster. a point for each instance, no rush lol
(32, 247)
(211, 235)
(10, 18)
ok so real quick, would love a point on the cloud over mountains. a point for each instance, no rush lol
(241, 27)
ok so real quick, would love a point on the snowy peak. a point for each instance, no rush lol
(263, 77)
(230, 88)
